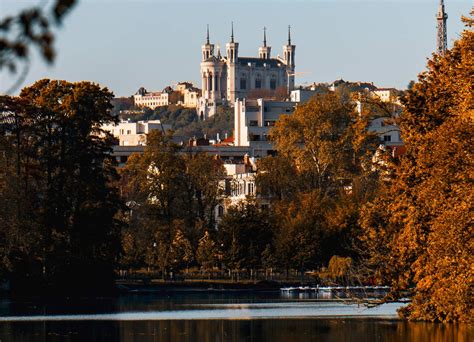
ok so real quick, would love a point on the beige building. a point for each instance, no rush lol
(231, 77)
(387, 95)
(190, 94)
(134, 133)
(152, 100)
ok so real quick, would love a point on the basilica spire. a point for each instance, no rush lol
(264, 51)
(289, 35)
(232, 32)
(264, 36)
(442, 38)
(207, 39)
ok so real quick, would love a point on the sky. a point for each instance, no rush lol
(124, 45)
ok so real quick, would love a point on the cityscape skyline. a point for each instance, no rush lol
(155, 44)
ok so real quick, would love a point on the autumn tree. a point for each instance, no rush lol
(427, 210)
(173, 195)
(319, 178)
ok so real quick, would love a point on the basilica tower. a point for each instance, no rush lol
(211, 73)
(232, 60)
(289, 59)
(264, 51)
(441, 39)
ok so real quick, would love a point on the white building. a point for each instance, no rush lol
(387, 130)
(387, 95)
(253, 120)
(152, 100)
(226, 78)
(134, 133)
(239, 185)
(302, 95)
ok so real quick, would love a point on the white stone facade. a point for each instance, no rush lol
(134, 133)
(253, 120)
(231, 77)
(387, 131)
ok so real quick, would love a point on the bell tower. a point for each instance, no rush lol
(264, 51)
(232, 48)
(289, 59)
(208, 48)
(232, 63)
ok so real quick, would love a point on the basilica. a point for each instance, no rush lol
(231, 77)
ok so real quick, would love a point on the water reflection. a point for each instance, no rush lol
(285, 330)
(213, 316)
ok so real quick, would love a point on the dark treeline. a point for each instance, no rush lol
(58, 226)
(330, 204)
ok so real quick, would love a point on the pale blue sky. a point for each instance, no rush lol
(128, 44)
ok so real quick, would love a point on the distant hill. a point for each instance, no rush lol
(185, 121)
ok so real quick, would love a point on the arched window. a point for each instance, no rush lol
(258, 81)
(220, 211)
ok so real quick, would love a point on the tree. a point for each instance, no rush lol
(429, 237)
(244, 232)
(326, 140)
(63, 162)
(30, 28)
(174, 195)
(206, 253)
(319, 179)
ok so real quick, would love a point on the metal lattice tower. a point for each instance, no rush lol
(442, 38)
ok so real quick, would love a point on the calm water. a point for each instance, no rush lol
(214, 316)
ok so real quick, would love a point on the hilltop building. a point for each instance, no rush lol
(142, 98)
(190, 94)
(228, 78)
(387, 95)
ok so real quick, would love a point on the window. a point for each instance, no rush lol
(269, 123)
(254, 137)
(220, 211)
(273, 84)
(250, 189)
(258, 83)
(387, 138)
(129, 131)
(243, 83)
(253, 123)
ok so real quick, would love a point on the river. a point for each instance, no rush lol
(215, 316)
